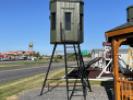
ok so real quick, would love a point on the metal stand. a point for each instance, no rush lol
(46, 77)
(80, 67)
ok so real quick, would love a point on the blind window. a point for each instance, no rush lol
(53, 21)
(67, 20)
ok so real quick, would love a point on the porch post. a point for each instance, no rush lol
(115, 46)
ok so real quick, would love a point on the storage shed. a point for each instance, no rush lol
(122, 35)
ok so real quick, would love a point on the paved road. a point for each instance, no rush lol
(9, 75)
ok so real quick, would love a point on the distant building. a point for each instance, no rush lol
(98, 53)
(17, 55)
(123, 53)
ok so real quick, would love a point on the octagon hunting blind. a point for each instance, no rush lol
(66, 21)
(66, 17)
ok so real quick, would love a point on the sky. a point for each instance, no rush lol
(25, 21)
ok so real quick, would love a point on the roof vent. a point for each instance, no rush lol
(130, 14)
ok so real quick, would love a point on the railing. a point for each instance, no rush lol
(126, 89)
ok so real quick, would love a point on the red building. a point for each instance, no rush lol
(17, 55)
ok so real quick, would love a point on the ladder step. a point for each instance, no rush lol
(76, 90)
(77, 95)
(72, 81)
(55, 79)
(73, 67)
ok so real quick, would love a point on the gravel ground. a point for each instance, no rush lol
(59, 93)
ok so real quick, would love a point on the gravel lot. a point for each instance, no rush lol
(59, 93)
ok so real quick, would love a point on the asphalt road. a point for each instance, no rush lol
(10, 75)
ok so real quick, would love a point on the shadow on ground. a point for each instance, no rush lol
(108, 85)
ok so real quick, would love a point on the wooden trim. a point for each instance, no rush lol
(126, 81)
(116, 43)
(119, 32)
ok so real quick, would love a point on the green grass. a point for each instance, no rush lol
(13, 88)
(21, 64)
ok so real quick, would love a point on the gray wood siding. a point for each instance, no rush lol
(73, 36)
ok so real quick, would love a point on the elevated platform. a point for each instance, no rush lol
(92, 74)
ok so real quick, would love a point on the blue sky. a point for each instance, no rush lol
(25, 21)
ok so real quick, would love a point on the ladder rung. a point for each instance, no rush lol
(76, 90)
(55, 79)
(77, 95)
(73, 67)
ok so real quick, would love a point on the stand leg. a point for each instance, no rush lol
(82, 69)
(86, 74)
(51, 60)
(88, 83)
(74, 87)
(66, 72)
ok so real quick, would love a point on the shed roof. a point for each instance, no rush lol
(125, 29)
(125, 25)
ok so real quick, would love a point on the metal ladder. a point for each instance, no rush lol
(82, 76)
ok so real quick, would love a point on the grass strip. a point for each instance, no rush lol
(12, 88)
(23, 64)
